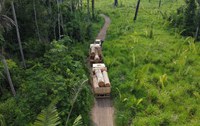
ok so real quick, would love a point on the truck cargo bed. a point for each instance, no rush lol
(99, 92)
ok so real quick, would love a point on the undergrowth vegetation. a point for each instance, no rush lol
(154, 71)
(45, 80)
(55, 36)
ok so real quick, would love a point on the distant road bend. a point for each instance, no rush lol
(103, 110)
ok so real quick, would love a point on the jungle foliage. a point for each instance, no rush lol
(55, 38)
(186, 18)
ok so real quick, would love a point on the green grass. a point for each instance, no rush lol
(153, 70)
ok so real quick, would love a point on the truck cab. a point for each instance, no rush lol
(98, 41)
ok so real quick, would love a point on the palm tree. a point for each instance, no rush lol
(5, 24)
(18, 34)
(5, 21)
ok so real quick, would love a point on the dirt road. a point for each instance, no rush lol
(102, 33)
(103, 110)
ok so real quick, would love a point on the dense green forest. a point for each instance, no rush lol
(153, 61)
(45, 45)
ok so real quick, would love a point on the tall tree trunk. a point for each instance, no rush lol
(49, 7)
(137, 9)
(88, 9)
(8, 75)
(197, 33)
(61, 22)
(116, 3)
(59, 29)
(93, 16)
(54, 29)
(71, 6)
(81, 2)
(18, 34)
(160, 3)
(36, 22)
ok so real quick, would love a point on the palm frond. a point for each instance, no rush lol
(74, 99)
(78, 121)
(6, 22)
(48, 117)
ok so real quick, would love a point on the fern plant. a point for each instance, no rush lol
(48, 117)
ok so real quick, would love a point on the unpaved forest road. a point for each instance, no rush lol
(102, 33)
(103, 110)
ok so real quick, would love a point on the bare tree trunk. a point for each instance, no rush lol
(116, 3)
(49, 7)
(81, 2)
(54, 30)
(59, 29)
(61, 22)
(8, 75)
(137, 8)
(71, 6)
(36, 22)
(93, 16)
(18, 34)
(197, 33)
(88, 8)
(160, 3)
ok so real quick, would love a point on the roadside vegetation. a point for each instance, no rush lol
(154, 71)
